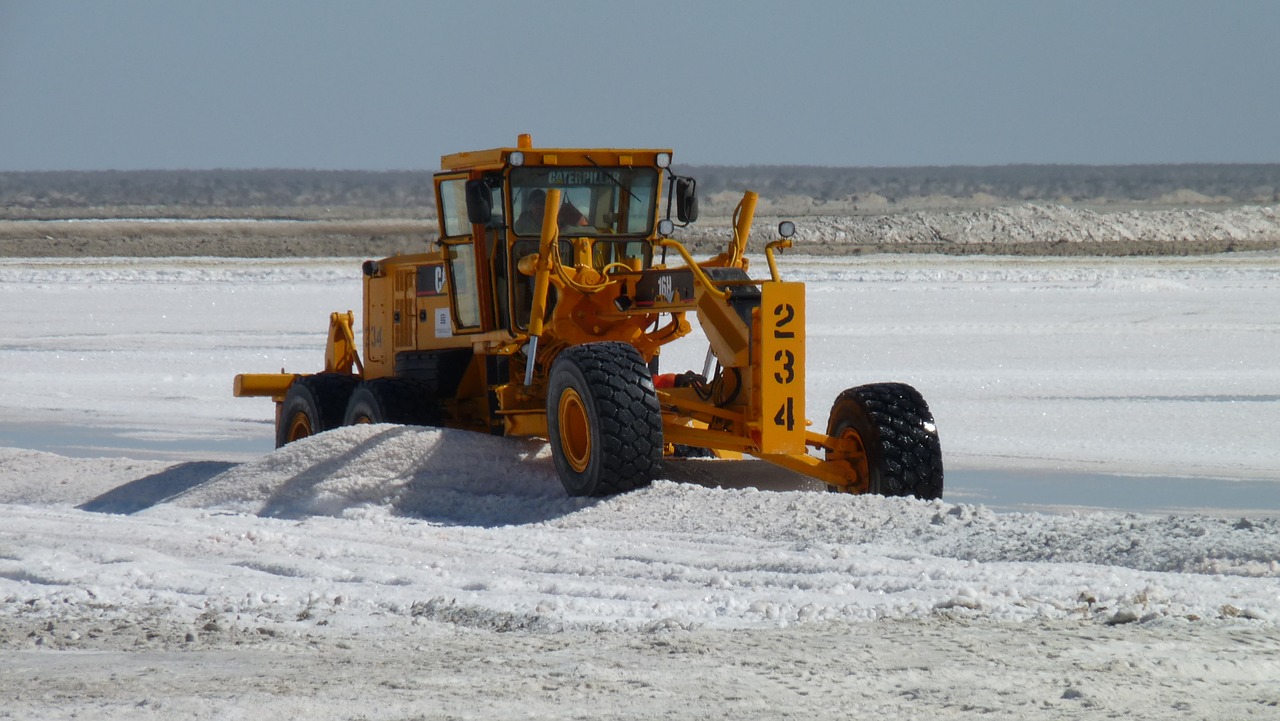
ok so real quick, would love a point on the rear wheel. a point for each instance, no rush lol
(392, 400)
(902, 455)
(314, 404)
(603, 419)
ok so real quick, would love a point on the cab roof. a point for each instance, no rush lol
(501, 157)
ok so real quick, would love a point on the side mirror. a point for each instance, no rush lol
(686, 192)
(479, 202)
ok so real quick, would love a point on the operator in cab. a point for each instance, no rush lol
(530, 220)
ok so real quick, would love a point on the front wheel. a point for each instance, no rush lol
(902, 455)
(603, 419)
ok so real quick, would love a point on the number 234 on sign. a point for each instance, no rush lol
(782, 368)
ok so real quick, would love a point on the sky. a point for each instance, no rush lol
(380, 84)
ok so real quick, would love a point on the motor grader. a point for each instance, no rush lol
(542, 312)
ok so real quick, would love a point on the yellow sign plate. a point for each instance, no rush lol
(782, 421)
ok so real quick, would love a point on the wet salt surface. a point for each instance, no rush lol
(1049, 491)
(124, 442)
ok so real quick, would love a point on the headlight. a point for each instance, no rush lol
(786, 229)
(662, 160)
(516, 158)
(666, 227)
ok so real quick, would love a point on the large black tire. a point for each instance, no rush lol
(904, 457)
(392, 400)
(603, 420)
(314, 404)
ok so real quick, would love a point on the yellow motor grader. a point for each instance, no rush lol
(543, 310)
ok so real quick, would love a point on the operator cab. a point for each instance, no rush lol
(492, 204)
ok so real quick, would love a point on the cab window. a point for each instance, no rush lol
(453, 208)
(593, 200)
(462, 277)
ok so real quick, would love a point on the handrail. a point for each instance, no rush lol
(782, 244)
(698, 272)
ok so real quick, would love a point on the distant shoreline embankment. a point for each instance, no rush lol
(1025, 229)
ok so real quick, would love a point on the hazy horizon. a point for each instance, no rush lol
(684, 166)
(385, 85)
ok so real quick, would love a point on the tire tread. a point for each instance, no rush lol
(906, 442)
(629, 416)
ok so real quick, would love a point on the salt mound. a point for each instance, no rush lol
(838, 522)
(456, 477)
(441, 474)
